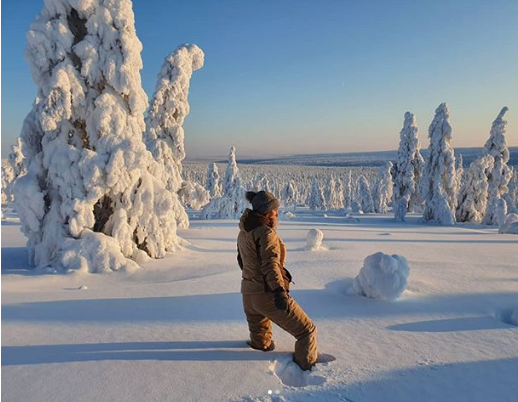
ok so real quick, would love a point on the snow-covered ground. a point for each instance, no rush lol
(175, 330)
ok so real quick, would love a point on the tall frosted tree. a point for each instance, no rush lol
(213, 184)
(89, 200)
(13, 169)
(289, 194)
(333, 199)
(164, 136)
(440, 184)
(383, 189)
(348, 190)
(365, 195)
(408, 170)
(499, 177)
(512, 195)
(472, 200)
(231, 173)
(232, 203)
(316, 200)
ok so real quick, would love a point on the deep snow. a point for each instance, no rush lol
(175, 330)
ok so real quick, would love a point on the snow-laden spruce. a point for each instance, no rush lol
(89, 179)
(333, 195)
(231, 172)
(382, 276)
(500, 175)
(169, 106)
(212, 183)
(440, 186)
(383, 189)
(512, 195)
(408, 170)
(314, 240)
(289, 195)
(11, 171)
(348, 190)
(473, 194)
(232, 203)
(316, 200)
(365, 196)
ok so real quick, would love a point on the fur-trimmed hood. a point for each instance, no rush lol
(251, 220)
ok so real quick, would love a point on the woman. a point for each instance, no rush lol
(265, 282)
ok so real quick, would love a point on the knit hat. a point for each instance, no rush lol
(262, 201)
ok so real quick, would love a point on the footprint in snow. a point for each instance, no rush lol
(290, 374)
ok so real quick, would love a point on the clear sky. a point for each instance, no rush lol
(297, 76)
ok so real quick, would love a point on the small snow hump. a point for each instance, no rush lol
(382, 276)
(314, 240)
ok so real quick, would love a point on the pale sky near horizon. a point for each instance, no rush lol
(297, 76)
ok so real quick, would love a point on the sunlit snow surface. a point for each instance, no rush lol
(175, 331)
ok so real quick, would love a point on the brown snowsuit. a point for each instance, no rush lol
(261, 256)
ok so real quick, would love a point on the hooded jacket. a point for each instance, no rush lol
(261, 255)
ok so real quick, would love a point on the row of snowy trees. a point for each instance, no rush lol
(96, 183)
(440, 188)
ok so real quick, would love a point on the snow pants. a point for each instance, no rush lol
(260, 311)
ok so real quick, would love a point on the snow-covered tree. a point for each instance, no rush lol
(333, 199)
(512, 195)
(408, 170)
(348, 190)
(383, 189)
(213, 184)
(459, 169)
(233, 202)
(13, 169)
(89, 200)
(193, 195)
(473, 193)
(365, 196)
(340, 201)
(499, 177)
(316, 200)
(169, 106)
(231, 173)
(440, 185)
(261, 183)
(289, 194)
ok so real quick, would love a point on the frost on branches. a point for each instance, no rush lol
(89, 199)
(164, 123)
(472, 200)
(500, 175)
(408, 170)
(440, 185)
(233, 202)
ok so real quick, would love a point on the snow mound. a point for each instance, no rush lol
(314, 240)
(382, 276)
(510, 225)
(288, 216)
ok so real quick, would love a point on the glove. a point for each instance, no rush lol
(280, 298)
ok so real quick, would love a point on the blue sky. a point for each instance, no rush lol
(286, 77)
